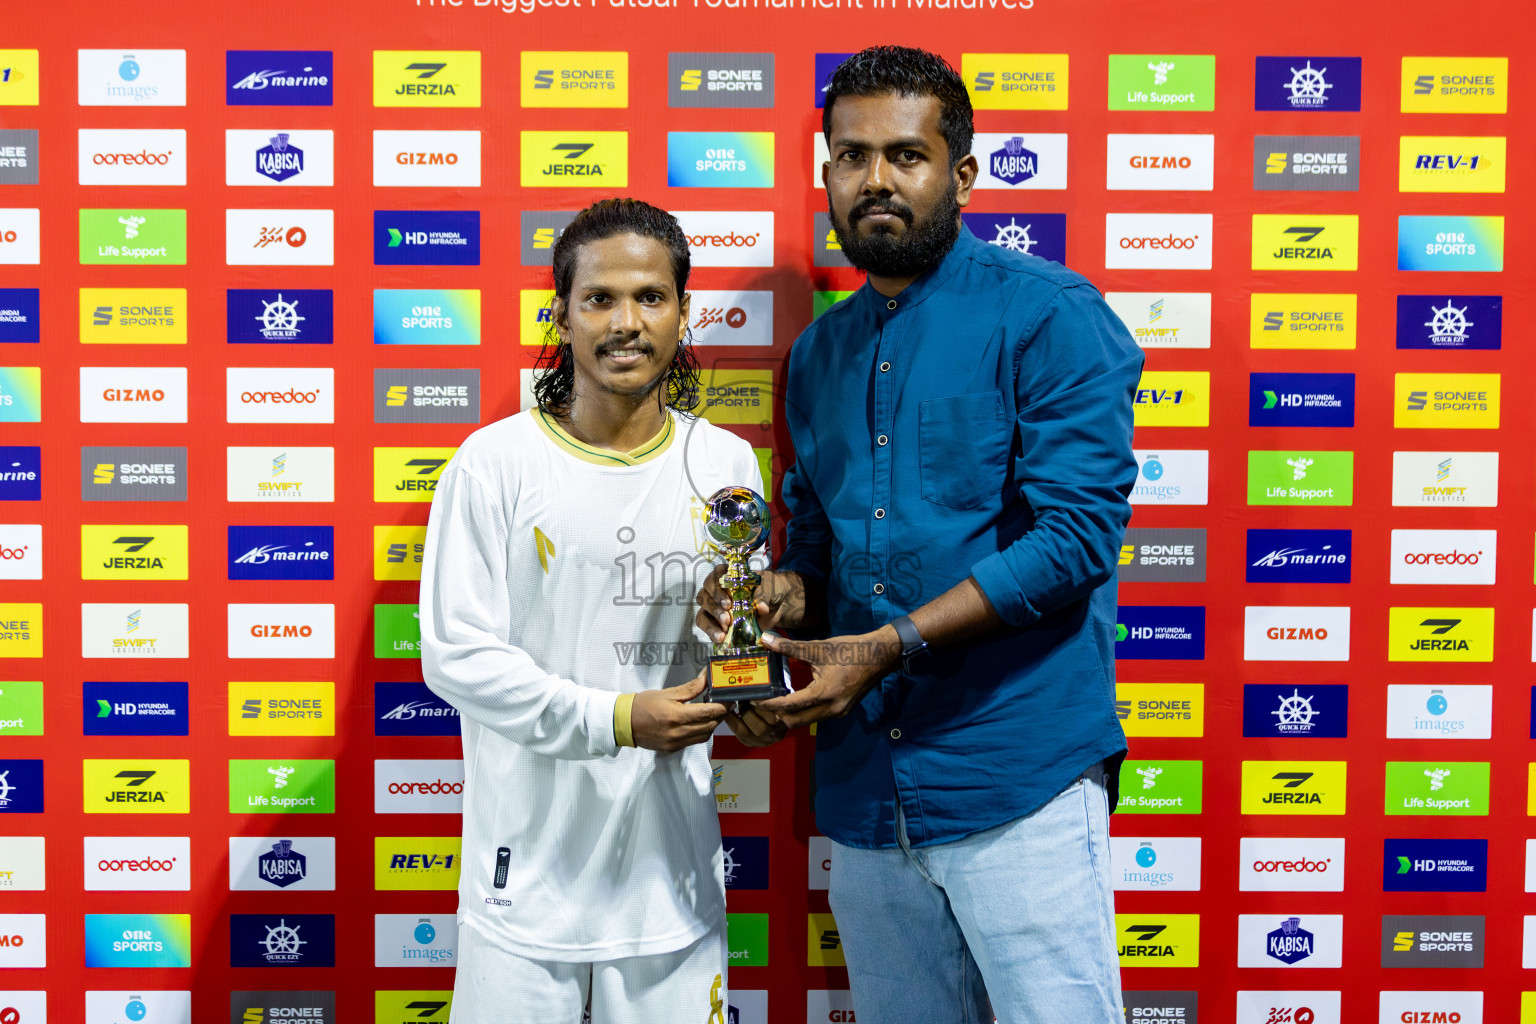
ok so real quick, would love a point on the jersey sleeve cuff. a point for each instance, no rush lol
(623, 716)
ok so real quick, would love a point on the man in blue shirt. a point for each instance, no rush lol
(962, 432)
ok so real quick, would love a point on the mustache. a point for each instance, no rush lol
(613, 346)
(874, 204)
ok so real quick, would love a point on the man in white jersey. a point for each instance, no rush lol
(563, 554)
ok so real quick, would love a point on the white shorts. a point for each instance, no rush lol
(493, 986)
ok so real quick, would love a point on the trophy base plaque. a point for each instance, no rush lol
(756, 676)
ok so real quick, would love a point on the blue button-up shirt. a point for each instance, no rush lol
(978, 424)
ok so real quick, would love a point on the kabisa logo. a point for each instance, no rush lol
(1016, 81)
(426, 159)
(1451, 163)
(1281, 941)
(281, 553)
(1306, 83)
(1450, 243)
(411, 709)
(19, 307)
(293, 863)
(279, 157)
(575, 78)
(575, 159)
(137, 787)
(134, 709)
(1323, 242)
(1298, 556)
(737, 80)
(1013, 163)
(18, 78)
(288, 316)
(278, 160)
(1450, 321)
(292, 940)
(1455, 85)
(1293, 787)
(720, 159)
(422, 78)
(1435, 712)
(1301, 399)
(1290, 711)
(21, 786)
(282, 866)
(291, 78)
(408, 474)
(1290, 943)
(1435, 865)
(141, 78)
(1306, 163)
(138, 940)
(1281, 320)
(1036, 234)
(426, 238)
(426, 396)
(1158, 940)
(1440, 634)
(1010, 161)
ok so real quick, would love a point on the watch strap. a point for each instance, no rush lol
(911, 640)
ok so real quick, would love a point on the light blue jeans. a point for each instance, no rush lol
(1023, 913)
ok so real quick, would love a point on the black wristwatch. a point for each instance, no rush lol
(913, 647)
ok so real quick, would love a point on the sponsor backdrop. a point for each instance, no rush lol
(264, 265)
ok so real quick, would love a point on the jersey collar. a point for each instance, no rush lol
(604, 456)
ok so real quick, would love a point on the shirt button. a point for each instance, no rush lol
(879, 588)
(895, 734)
(891, 304)
(881, 440)
(885, 367)
(879, 513)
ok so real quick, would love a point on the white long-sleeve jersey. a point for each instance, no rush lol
(556, 577)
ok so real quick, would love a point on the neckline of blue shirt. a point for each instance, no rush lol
(926, 284)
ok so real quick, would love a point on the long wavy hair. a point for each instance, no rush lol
(554, 378)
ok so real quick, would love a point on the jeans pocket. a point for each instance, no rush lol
(962, 448)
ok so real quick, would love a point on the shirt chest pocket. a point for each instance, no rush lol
(962, 448)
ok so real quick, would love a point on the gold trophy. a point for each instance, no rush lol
(740, 668)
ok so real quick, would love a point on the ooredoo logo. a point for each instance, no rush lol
(1158, 241)
(21, 552)
(736, 239)
(138, 863)
(1444, 556)
(280, 395)
(418, 787)
(140, 156)
(1291, 865)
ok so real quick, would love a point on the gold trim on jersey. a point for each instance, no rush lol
(604, 456)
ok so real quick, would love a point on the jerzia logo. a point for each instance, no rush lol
(415, 78)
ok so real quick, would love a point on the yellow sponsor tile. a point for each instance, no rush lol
(1440, 634)
(282, 709)
(133, 552)
(1302, 320)
(1306, 241)
(408, 474)
(1158, 940)
(1016, 81)
(1451, 163)
(21, 630)
(19, 73)
(1455, 85)
(398, 552)
(1449, 401)
(575, 78)
(535, 310)
(1161, 709)
(137, 786)
(736, 396)
(823, 945)
(1294, 787)
(1173, 398)
(133, 316)
(575, 159)
(415, 863)
(426, 78)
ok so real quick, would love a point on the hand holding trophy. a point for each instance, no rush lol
(740, 668)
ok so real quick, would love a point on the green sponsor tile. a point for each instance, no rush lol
(396, 631)
(1161, 787)
(746, 936)
(282, 786)
(21, 709)
(1462, 787)
(133, 237)
(1188, 81)
(1301, 478)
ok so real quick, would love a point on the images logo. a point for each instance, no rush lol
(1306, 163)
(1173, 399)
(1440, 634)
(19, 307)
(142, 78)
(18, 78)
(1161, 709)
(1450, 321)
(411, 709)
(1298, 556)
(427, 159)
(1289, 711)
(575, 78)
(137, 787)
(280, 394)
(1155, 864)
(426, 238)
(1455, 85)
(1306, 242)
(141, 156)
(408, 474)
(426, 396)
(133, 630)
(282, 787)
(575, 159)
(415, 862)
(290, 316)
(1450, 243)
(1293, 787)
(1301, 478)
(1439, 712)
(1036, 234)
(292, 940)
(275, 862)
(719, 159)
(423, 78)
(1167, 163)
(280, 474)
(1157, 241)
(1016, 81)
(133, 237)
(1158, 940)
(281, 553)
(1434, 865)
(1291, 865)
(1161, 787)
(1171, 477)
(1035, 161)
(415, 940)
(739, 80)
(1301, 399)
(134, 709)
(279, 157)
(1172, 632)
(279, 238)
(1418, 940)
(1295, 633)
(1149, 81)
(1306, 83)
(270, 78)
(1447, 163)
(138, 940)
(1437, 787)
(138, 863)
(1163, 555)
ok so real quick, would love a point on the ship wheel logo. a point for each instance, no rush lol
(1449, 324)
(1013, 237)
(730, 864)
(279, 317)
(1295, 713)
(282, 941)
(1307, 86)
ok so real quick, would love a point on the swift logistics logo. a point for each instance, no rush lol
(1420, 940)
(1298, 556)
(1306, 163)
(426, 78)
(133, 237)
(1454, 788)
(1451, 163)
(270, 78)
(1160, 632)
(426, 316)
(1171, 477)
(133, 552)
(286, 316)
(1301, 478)
(398, 552)
(1034, 234)
(284, 786)
(412, 709)
(1294, 787)
(1456, 322)
(574, 78)
(1301, 399)
(18, 78)
(276, 157)
(426, 159)
(408, 474)
(140, 156)
(290, 863)
(1172, 398)
(133, 631)
(1474, 244)
(1161, 709)
(426, 396)
(1290, 865)
(1163, 555)
(1161, 787)
(1166, 163)
(1446, 400)
(1440, 634)
(1158, 241)
(1283, 241)
(1016, 81)
(1018, 162)
(280, 238)
(1455, 85)
(282, 709)
(289, 940)
(1165, 319)
(1469, 479)
(138, 940)
(134, 709)
(426, 238)
(147, 786)
(1306, 83)
(575, 159)
(1269, 940)
(1295, 633)
(1291, 711)
(133, 316)
(282, 553)
(736, 80)
(1153, 81)
(280, 474)
(1158, 940)
(19, 311)
(1155, 863)
(1439, 712)
(415, 863)
(1434, 865)
(720, 159)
